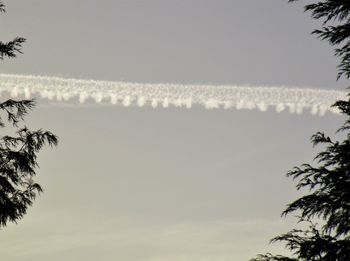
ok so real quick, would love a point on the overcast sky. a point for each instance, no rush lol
(196, 41)
(165, 184)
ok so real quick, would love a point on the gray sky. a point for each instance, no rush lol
(196, 41)
(165, 184)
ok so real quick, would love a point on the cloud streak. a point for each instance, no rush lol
(262, 98)
(136, 239)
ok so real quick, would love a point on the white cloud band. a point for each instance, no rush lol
(295, 100)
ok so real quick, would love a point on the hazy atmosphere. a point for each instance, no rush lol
(168, 183)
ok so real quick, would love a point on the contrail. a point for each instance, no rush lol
(295, 100)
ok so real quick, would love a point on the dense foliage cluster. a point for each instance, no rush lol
(328, 201)
(18, 153)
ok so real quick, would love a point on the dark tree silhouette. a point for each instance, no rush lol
(18, 153)
(328, 201)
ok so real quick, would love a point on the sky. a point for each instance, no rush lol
(165, 184)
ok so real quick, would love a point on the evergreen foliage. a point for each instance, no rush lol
(18, 153)
(335, 29)
(328, 183)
